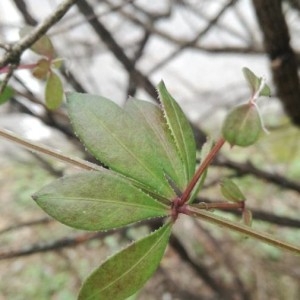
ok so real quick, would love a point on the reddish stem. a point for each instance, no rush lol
(208, 159)
(20, 67)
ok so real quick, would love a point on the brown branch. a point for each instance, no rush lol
(53, 245)
(44, 220)
(201, 270)
(22, 7)
(283, 60)
(13, 56)
(116, 49)
(249, 169)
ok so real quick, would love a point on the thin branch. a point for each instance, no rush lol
(249, 169)
(200, 269)
(116, 49)
(53, 245)
(77, 162)
(13, 56)
(44, 220)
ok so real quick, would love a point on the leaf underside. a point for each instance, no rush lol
(127, 271)
(99, 200)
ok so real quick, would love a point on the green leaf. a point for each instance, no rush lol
(151, 117)
(252, 79)
(97, 201)
(231, 191)
(7, 93)
(119, 141)
(242, 125)
(255, 83)
(266, 91)
(57, 63)
(180, 130)
(42, 46)
(54, 92)
(127, 271)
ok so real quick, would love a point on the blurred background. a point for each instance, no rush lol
(121, 48)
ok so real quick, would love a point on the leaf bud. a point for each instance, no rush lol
(243, 125)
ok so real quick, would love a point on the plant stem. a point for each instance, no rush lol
(240, 228)
(219, 205)
(77, 162)
(20, 67)
(208, 159)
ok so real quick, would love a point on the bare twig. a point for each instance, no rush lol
(13, 56)
(83, 164)
(44, 220)
(116, 49)
(249, 168)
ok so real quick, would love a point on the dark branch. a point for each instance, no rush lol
(249, 169)
(283, 60)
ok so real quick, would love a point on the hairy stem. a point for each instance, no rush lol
(77, 162)
(217, 220)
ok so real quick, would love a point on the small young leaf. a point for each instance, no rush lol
(151, 117)
(180, 130)
(57, 63)
(41, 69)
(242, 126)
(7, 93)
(252, 79)
(231, 191)
(97, 201)
(119, 141)
(43, 46)
(54, 92)
(126, 272)
(255, 82)
(266, 91)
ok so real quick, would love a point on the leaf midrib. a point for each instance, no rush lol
(113, 202)
(136, 158)
(134, 265)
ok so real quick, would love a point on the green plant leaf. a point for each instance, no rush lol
(231, 191)
(242, 125)
(54, 92)
(119, 141)
(252, 79)
(97, 201)
(42, 46)
(180, 130)
(255, 82)
(127, 271)
(57, 63)
(151, 117)
(7, 93)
